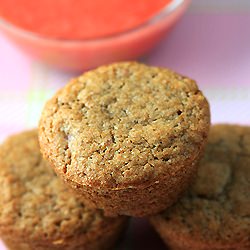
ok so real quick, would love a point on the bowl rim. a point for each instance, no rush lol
(159, 16)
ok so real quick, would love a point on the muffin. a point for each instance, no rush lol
(38, 212)
(215, 212)
(126, 136)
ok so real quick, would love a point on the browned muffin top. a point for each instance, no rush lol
(124, 125)
(216, 210)
(34, 204)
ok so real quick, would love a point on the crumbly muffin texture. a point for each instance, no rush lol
(37, 211)
(124, 126)
(215, 212)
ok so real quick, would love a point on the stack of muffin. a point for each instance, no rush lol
(126, 140)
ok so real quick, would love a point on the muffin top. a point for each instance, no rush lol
(124, 125)
(34, 203)
(216, 209)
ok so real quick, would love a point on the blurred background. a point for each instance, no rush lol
(210, 43)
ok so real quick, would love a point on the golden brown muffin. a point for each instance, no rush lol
(126, 136)
(37, 212)
(215, 212)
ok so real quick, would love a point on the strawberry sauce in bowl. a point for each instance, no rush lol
(82, 34)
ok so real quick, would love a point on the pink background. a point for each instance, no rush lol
(210, 44)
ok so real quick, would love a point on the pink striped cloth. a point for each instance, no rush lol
(211, 46)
